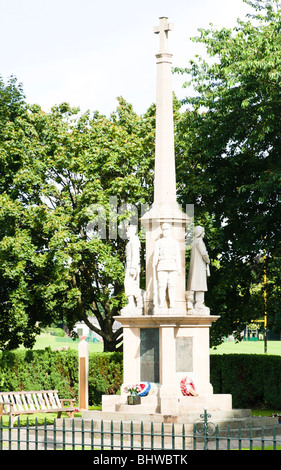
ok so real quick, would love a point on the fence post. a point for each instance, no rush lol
(36, 434)
(111, 435)
(132, 434)
(204, 429)
(18, 433)
(142, 437)
(92, 435)
(83, 349)
(1, 433)
(63, 434)
(55, 435)
(83, 434)
(10, 432)
(152, 435)
(45, 434)
(27, 433)
(183, 437)
(274, 438)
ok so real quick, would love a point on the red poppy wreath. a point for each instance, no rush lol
(187, 387)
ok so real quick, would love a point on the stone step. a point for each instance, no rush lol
(234, 419)
(115, 426)
(245, 423)
(186, 418)
(254, 432)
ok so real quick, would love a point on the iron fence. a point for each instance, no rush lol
(80, 434)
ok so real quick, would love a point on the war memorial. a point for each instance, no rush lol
(166, 328)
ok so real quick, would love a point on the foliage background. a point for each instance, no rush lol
(253, 380)
(58, 370)
(54, 165)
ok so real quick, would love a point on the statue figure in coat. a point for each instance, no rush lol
(132, 270)
(198, 272)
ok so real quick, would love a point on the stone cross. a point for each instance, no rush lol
(163, 29)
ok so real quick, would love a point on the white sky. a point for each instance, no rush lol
(88, 52)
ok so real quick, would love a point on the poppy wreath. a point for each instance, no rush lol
(145, 387)
(187, 387)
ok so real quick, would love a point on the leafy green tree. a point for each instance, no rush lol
(18, 167)
(229, 145)
(58, 165)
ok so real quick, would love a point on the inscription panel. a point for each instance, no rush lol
(149, 354)
(184, 354)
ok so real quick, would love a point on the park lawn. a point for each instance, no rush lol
(56, 342)
(247, 347)
(42, 418)
(228, 347)
(36, 417)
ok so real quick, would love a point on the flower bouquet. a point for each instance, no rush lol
(133, 390)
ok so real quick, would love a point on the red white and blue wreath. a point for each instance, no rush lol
(145, 387)
(187, 387)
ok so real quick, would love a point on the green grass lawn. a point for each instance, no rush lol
(55, 342)
(228, 347)
(41, 418)
(247, 347)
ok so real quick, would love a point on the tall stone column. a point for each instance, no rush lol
(165, 173)
(165, 208)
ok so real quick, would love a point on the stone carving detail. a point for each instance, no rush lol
(198, 272)
(166, 268)
(132, 272)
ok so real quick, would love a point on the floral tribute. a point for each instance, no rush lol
(141, 389)
(133, 389)
(145, 387)
(187, 387)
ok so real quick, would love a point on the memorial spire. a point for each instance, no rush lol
(165, 174)
(165, 209)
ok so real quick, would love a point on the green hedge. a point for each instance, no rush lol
(58, 370)
(253, 380)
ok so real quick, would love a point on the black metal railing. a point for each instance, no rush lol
(80, 434)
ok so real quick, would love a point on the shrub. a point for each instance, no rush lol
(105, 375)
(253, 380)
(58, 370)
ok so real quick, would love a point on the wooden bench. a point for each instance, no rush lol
(44, 401)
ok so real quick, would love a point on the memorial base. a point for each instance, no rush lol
(163, 350)
(168, 405)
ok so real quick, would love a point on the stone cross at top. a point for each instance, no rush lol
(163, 29)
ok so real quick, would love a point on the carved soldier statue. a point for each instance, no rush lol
(198, 271)
(166, 267)
(132, 269)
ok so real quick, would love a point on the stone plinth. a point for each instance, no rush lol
(172, 406)
(162, 350)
